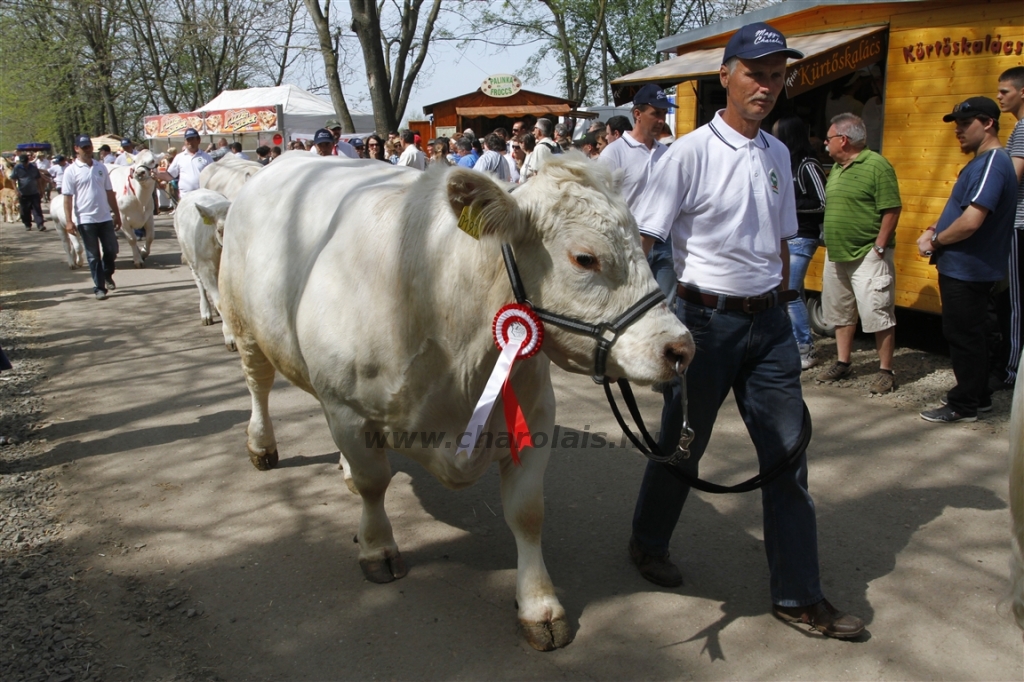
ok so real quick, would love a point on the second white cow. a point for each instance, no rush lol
(353, 280)
(134, 187)
(199, 224)
(228, 175)
(73, 247)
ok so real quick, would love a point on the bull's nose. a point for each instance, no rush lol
(680, 352)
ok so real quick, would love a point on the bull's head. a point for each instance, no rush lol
(579, 255)
(142, 168)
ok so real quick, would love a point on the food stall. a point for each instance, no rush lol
(907, 62)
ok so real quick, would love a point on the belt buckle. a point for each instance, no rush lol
(756, 304)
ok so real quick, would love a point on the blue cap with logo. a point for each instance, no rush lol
(83, 141)
(125, 142)
(191, 132)
(757, 40)
(653, 95)
(323, 135)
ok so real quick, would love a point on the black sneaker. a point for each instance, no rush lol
(946, 415)
(110, 283)
(983, 407)
(997, 384)
(101, 295)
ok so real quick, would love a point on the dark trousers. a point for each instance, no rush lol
(31, 207)
(94, 237)
(964, 313)
(1010, 310)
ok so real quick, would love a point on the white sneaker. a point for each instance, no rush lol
(808, 356)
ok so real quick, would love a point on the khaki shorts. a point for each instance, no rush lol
(866, 287)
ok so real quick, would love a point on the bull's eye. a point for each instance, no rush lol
(587, 261)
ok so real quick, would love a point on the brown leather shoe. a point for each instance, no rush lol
(823, 617)
(657, 569)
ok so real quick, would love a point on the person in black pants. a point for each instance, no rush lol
(969, 243)
(28, 183)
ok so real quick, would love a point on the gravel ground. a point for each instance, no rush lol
(62, 620)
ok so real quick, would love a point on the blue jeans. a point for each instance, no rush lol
(801, 251)
(660, 260)
(754, 355)
(94, 236)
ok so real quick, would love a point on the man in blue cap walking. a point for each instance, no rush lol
(724, 194)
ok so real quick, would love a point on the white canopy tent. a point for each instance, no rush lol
(302, 112)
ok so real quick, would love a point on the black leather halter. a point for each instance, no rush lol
(605, 333)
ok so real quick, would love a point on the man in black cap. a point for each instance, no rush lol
(969, 243)
(29, 185)
(724, 194)
(90, 209)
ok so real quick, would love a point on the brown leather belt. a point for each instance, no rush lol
(749, 304)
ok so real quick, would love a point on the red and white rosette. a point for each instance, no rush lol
(519, 333)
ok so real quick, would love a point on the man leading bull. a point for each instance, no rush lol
(724, 194)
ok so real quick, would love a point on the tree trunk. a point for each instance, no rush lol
(366, 25)
(330, 57)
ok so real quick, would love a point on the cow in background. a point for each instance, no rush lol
(228, 175)
(353, 279)
(199, 224)
(9, 205)
(134, 187)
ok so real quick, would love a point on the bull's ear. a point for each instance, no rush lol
(208, 214)
(489, 209)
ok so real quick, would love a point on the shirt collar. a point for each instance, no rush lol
(724, 132)
(83, 164)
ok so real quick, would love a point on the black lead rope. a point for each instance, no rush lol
(606, 334)
(653, 452)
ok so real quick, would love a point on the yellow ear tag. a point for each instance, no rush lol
(470, 222)
(207, 220)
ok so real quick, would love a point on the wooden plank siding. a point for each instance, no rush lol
(922, 149)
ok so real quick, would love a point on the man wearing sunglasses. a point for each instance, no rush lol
(862, 207)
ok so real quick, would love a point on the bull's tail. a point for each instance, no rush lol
(1017, 501)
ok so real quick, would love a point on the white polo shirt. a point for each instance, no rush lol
(187, 167)
(636, 162)
(88, 185)
(413, 157)
(727, 202)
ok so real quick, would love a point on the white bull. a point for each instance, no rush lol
(199, 224)
(73, 247)
(352, 279)
(228, 175)
(134, 187)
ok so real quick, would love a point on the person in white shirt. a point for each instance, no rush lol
(492, 161)
(57, 172)
(635, 153)
(341, 148)
(323, 143)
(90, 209)
(411, 155)
(127, 155)
(236, 151)
(187, 164)
(725, 195)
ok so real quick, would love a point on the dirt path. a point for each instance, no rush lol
(188, 563)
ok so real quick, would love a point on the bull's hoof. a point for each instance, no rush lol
(548, 636)
(263, 462)
(138, 265)
(230, 345)
(207, 321)
(384, 570)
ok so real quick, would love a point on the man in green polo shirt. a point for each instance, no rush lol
(862, 207)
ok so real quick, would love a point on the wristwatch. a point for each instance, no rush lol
(935, 239)
(880, 250)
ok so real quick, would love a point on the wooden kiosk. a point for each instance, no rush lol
(921, 57)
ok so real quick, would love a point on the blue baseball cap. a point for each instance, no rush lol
(757, 40)
(83, 141)
(191, 132)
(653, 95)
(323, 135)
(125, 142)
